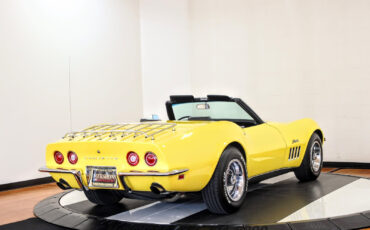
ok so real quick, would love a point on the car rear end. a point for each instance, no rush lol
(112, 162)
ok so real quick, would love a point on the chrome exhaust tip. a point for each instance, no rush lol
(157, 189)
(63, 184)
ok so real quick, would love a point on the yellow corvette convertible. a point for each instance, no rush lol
(214, 145)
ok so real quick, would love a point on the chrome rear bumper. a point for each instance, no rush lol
(75, 173)
(78, 176)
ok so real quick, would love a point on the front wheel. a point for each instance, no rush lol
(312, 162)
(226, 190)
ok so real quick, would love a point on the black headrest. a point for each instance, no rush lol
(181, 98)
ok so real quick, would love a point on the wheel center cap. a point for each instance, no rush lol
(233, 179)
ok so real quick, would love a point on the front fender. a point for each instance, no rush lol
(297, 133)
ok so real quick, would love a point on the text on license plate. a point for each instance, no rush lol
(102, 176)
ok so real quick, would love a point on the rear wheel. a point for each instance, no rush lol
(226, 190)
(104, 196)
(312, 162)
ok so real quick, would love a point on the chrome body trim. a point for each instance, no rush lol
(78, 176)
(294, 153)
(151, 173)
(75, 173)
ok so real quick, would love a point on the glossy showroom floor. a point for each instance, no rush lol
(331, 196)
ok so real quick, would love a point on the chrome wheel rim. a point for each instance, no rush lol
(235, 180)
(316, 155)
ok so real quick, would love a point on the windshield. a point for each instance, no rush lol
(214, 110)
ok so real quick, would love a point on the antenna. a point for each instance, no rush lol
(69, 93)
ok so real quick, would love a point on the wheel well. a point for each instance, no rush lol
(319, 132)
(239, 147)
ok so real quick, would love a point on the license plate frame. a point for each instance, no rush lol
(102, 176)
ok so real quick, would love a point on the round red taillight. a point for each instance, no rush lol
(150, 159)
(132, 158)
(58, 157)
(72, 157)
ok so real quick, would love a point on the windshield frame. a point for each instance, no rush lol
(180, 99)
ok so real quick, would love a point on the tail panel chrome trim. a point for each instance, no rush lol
(151, 173)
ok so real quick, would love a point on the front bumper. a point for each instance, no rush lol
(78, 175)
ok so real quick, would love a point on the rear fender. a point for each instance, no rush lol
(200, 150)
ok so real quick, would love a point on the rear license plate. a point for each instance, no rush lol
(102, 176)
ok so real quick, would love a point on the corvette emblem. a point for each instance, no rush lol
(101, 158)
(295, 141)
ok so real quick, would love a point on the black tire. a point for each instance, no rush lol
(214, 194)
(306, 171)
(104, 196)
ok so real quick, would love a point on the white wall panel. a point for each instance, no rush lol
(289, 60)
(37, 37)
(164, 49)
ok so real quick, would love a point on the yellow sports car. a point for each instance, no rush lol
(214, 145)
